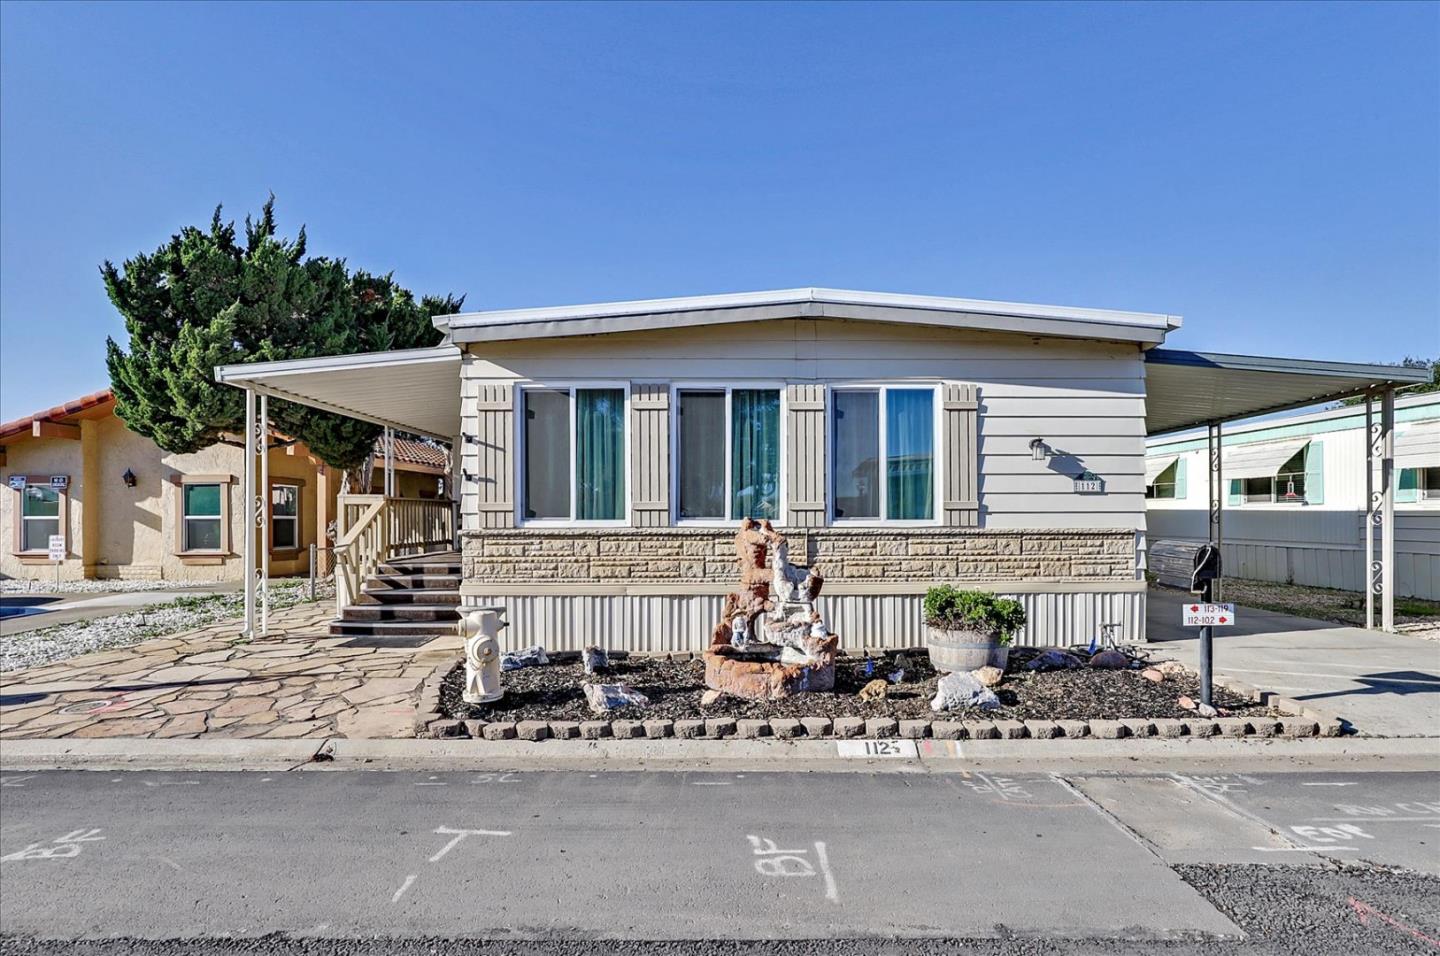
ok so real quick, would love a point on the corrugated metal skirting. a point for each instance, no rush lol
(683, 622)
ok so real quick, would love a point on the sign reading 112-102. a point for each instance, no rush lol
(1207, 615)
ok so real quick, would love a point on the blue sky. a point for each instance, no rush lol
(1272, 173)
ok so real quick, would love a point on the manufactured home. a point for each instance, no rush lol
(1296, 496)
(605, 453)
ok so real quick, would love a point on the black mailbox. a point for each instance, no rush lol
(1207, 567)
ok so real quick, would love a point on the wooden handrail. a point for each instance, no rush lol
(371, 529)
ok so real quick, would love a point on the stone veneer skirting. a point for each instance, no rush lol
(662, 589)
(706, 556)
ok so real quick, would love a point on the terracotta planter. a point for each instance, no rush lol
(964, 650)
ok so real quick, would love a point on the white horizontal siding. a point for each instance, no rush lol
(1085, 399)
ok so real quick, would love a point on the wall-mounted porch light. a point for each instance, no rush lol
(1039, 451)
(128, 478)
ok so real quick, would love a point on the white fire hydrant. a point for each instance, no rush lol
(481, 629)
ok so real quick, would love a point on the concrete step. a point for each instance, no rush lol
(400, 612)
(448, 582)
(391, 628)
(420, 567)
(409, 596)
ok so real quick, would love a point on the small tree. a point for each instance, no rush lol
(205, 299)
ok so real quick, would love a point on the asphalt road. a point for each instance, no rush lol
(30, 611)
(833, 862)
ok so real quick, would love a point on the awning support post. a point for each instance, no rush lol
(247, 537)
(1372, 510)
(262, 516)
(389, 443)
(1217, 501)
(1387, 510)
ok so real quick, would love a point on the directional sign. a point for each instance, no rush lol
(1207, 615)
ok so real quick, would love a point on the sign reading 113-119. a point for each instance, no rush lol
(1207, 615)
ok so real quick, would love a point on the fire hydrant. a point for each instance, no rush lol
(481, 629)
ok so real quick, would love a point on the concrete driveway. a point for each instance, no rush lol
(1383, 684)
(28, 611)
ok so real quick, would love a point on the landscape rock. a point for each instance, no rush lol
(959, 691)
(877, 689)
(1053, 660)
(594, 660)
(1152, 674)
(1110, 660)
(525, 657)
(1186, 703)
(1205, 710)
(710, 697)
(989, 676)
(604, 698)
(1170, 668)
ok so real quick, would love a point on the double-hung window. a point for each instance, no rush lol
(883, 453)
(284, 517)
(1429, 482)
(728, 454)
(1164, 484)
(573, 454)
(201, 516)
(1286, 487)
(39, 516)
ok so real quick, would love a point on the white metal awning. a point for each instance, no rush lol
(1261, 460)
(1418, 445)
(412, 390)
(1190, 389)
(1155, 466)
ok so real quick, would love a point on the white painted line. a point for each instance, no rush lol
(1304, 849)
(460, 835)
(830, 893)
(1349, 784)
(1369, 820)
(171, 863)
(172, 783)
(711, 783)
(422, 783)
(403, 887)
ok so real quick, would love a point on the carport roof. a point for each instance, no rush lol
(1188, 389)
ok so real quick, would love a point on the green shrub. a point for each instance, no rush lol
(952, 609)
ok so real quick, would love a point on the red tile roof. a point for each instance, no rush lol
(21, 426)
(411, 452)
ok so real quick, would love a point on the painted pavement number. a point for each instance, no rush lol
(1207, 615)
(61, 848)
(876, 748)
(775, 863)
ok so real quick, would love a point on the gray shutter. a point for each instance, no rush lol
(650, 454)
(962, 455)
(487, 460)
(805, 465)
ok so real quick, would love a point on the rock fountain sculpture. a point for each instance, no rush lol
(771, 642)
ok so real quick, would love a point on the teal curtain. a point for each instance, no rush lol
(755, 453)
(600, 454)
(910, 453)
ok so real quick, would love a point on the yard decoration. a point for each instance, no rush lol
(967, 630)
(770, 642)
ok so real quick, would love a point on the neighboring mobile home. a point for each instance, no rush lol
(1295, 496)
(607, 453)
(129, 510)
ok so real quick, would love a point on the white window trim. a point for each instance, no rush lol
(61, 502)
(519, 439)
(219, 519)
(727, 387)
(937, 449)
(1421, 487)
(295, 518)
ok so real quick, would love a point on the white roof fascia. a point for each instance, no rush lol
(598, 318)
(1260, 461)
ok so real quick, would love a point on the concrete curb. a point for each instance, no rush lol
(768, 754)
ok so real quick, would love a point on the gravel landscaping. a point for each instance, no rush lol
(48, 644)
(675, 687)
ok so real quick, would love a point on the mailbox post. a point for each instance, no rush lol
(1202, 580)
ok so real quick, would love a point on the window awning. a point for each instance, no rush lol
(1154, 467)
(1261, 460)
(1418, 445)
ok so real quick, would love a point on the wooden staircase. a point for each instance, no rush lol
(405, 598)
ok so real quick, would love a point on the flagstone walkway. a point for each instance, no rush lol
(295, 682)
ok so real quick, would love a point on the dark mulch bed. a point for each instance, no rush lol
(552, 692)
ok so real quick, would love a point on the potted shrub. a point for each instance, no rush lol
(967, 630)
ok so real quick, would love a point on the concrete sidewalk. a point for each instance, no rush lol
(28, 611)
(1383, 684)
